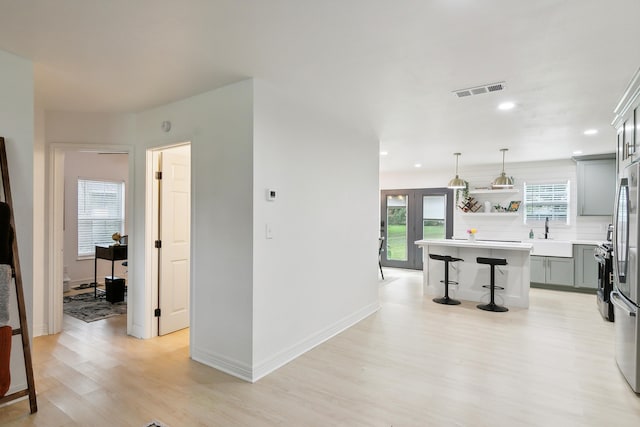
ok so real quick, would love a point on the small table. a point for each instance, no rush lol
(111, 253)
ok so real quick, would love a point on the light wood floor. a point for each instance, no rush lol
(414, 363)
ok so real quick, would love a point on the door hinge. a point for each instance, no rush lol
(158, 244)
(159, 175)
(156, 312)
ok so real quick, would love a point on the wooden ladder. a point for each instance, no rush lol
(22, 312)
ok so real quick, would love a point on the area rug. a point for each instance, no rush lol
(86, 307)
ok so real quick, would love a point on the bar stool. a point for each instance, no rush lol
(447, 259)
(492, 306)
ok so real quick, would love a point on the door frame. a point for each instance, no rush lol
(55, 231)
(151, 230)
(414, 211)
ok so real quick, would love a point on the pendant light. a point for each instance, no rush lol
(503, 181)
(457, 182)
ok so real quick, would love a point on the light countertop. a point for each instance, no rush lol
(587, 242)
(572, 241)
(484, 244)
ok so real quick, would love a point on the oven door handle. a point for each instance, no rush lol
(617, 300)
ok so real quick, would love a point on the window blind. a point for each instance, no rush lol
(100, 213)
(547, 201)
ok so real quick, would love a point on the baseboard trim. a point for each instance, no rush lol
(22, 385)
(252, 374)
(565, 288)
(78, 282)
(40, 330)
(137, 331)
(221, 363)
(89, 280)
(267, 366)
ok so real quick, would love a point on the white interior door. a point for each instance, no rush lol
(175, 229)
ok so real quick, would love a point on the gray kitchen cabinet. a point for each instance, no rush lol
(596, 187)
(586, 266)
(538, 274)
(548, 270)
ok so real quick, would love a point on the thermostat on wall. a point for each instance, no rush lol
(271, 195)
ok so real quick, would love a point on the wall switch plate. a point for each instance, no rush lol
(268, 230)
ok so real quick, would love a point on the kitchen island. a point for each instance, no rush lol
(513, 277)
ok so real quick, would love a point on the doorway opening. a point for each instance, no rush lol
(410, 215)
(71, 238)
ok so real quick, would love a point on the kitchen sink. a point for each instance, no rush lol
(559, 248)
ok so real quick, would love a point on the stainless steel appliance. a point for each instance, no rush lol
(603, 254)
(626, 276)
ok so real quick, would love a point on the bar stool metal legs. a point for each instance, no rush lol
(380, 248)
(447, 259)
(492, 262)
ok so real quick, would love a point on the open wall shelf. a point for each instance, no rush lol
(489, 191)
(490, 213)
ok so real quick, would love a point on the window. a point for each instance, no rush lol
(100, 213)
(543, 201)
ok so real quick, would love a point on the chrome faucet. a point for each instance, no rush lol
(546, 228)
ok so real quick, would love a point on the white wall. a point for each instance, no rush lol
(110, 167)
(257, 303)
(17, 127)
(219, 126)
(509, 228)
(89, 128)
(40, 294)
(318, 274)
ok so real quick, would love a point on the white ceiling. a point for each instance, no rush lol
(386, 67)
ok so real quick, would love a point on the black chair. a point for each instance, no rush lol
(492, 262)
(381, 239)
(447, 259)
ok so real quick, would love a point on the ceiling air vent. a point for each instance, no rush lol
(495, 87)
(479, 90)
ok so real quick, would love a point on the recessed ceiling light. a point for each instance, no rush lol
(506, 106)
(418, 165)
(577, 152)
(384, 153)
(591, 131)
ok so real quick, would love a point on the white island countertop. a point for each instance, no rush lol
(484, 244)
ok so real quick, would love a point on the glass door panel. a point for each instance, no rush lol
(410, 215)
(434, 217)
(397, 238)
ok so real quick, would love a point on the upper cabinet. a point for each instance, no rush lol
(596, 186)
(626, 122)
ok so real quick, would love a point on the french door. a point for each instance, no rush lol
(410, 215)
